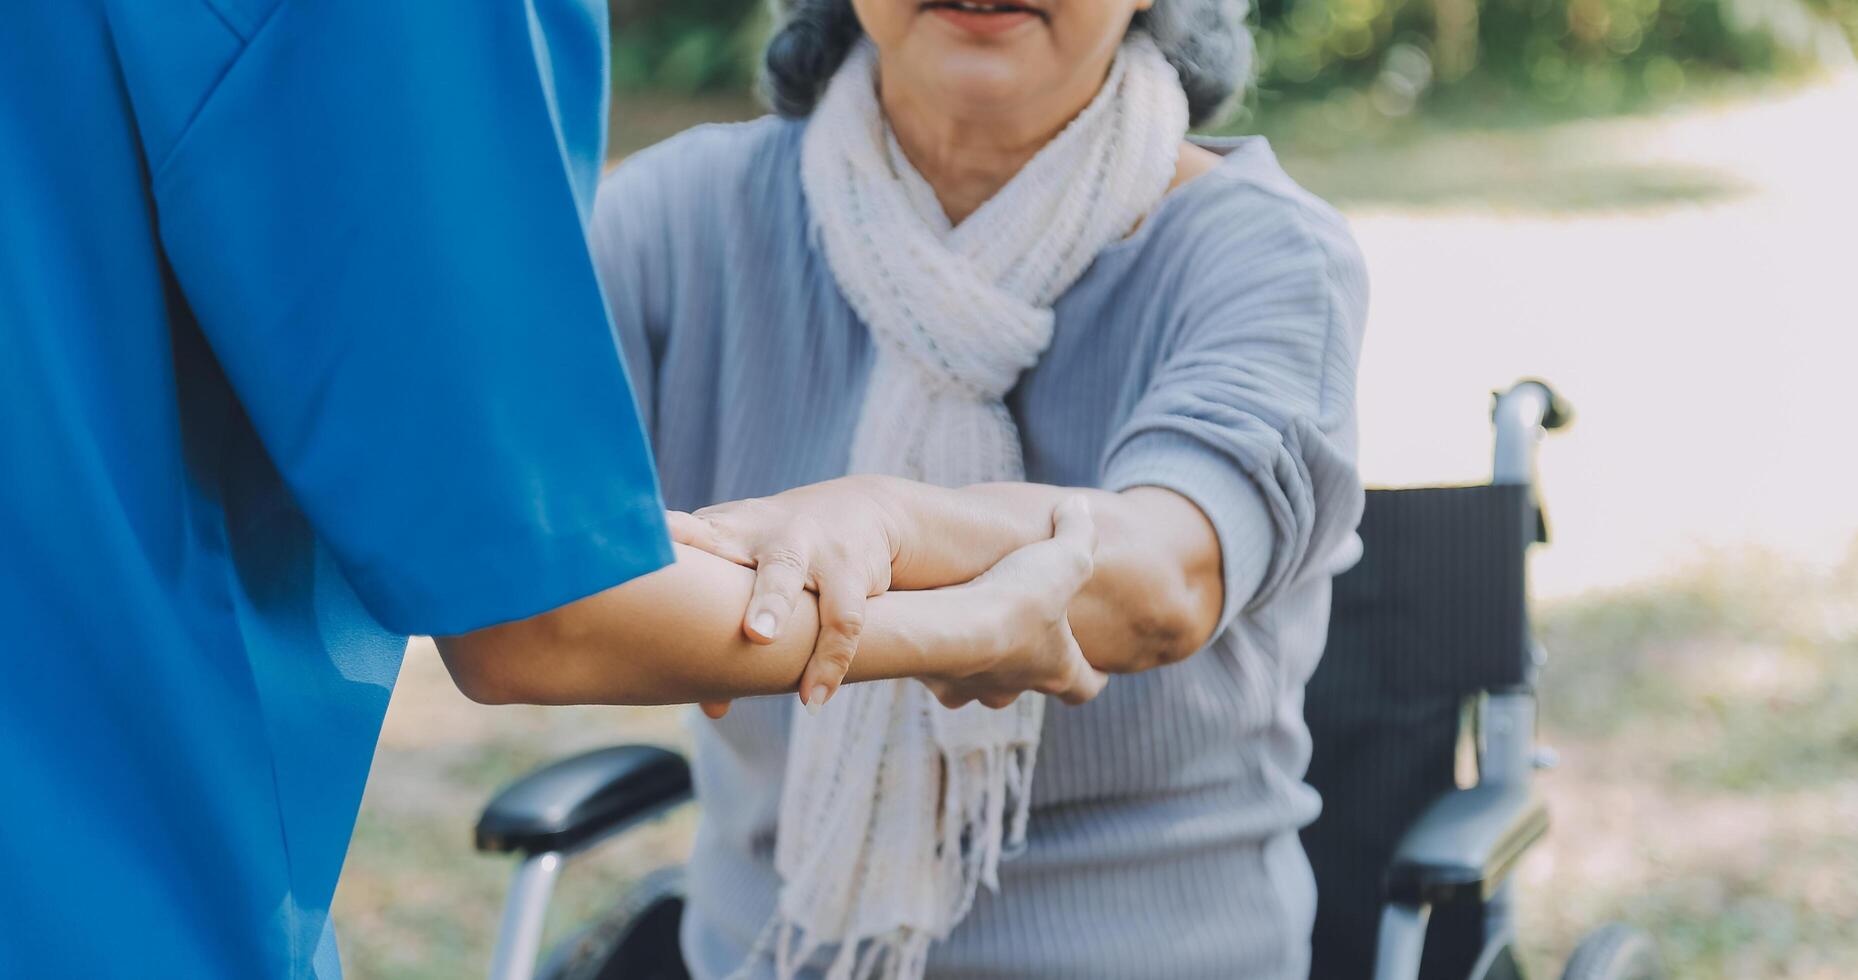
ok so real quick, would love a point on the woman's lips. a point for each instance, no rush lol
(982, 21)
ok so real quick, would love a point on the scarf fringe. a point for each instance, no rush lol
(979, 830)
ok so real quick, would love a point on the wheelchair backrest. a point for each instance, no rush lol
(1435, 612)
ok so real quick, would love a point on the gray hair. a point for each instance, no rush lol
(1206, 41)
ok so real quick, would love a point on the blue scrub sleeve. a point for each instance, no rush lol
(377, 218)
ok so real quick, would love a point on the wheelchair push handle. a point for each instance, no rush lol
(1556, 412)
(1521, 415)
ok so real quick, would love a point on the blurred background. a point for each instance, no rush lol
(1651, 203)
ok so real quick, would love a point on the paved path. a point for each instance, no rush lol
(1711, 345)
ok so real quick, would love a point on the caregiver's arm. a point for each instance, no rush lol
(675, 635)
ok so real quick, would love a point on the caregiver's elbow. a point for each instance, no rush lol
(486, 666)
(548, 659)
(483, 684)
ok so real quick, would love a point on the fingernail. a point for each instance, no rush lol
(816, 700)
(764, 623)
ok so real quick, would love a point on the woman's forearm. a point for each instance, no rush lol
(1156, 592)
(676, 636)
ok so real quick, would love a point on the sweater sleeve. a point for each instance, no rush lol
(1250, 411)
(660, 239)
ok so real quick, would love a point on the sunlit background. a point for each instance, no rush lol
(1651, 203)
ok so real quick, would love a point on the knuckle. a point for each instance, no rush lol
(847, 620)
(832, 547)
(1062, 680)
(836, 657)
(864, 574)
(782, 555)
(1082, 564)
(1034, 612)
(715, 523)
(1053, 619)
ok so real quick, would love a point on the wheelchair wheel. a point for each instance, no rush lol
(1615, 951)
(636, 940)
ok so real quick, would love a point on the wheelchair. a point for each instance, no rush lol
(1422, 721)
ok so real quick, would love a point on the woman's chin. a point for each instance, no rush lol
(980, 82)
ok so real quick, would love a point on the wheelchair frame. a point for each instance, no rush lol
(1506, 753)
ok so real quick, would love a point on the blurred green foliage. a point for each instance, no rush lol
(1597, 55)
(687, 46)
(1591, 55)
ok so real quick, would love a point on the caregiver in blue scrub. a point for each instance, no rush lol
(301, 352)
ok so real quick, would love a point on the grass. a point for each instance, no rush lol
(1708, 727)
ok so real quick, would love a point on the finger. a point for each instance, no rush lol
(998, 701)
(715, 709)
(688, 528)
(1085, 682)
(841, 621)
(1090, 683)
(708, 531)
(948, 695)
(780, 576)
(953, 699)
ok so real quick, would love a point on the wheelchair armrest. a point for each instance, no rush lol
(1466, 841)
(577, 801)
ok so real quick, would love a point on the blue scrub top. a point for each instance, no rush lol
(301, 351)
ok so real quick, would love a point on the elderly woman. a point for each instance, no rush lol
(976, 264)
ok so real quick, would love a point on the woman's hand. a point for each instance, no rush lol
(837, 539)
(1029, 592)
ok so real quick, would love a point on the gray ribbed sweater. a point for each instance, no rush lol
(1214, 353)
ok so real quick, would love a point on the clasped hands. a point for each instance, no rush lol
(852, 539)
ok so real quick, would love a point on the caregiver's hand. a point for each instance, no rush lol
(1038, 652)
(837, 539)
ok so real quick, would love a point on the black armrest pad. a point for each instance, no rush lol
(1465, 842)
(579, 800)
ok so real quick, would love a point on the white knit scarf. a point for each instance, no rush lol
(895, 808)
